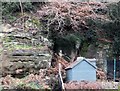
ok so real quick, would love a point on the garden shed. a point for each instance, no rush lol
(82, 69)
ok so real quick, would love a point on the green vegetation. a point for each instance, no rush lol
(10, 44)
(25, 47)
(66, 34)
(112, 28)
(11, 10)
(31, 85)
(18, 46)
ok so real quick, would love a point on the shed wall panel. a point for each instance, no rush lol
(69, 74)
(83, 71)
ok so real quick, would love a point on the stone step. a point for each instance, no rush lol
(21, 58)
(22, 54)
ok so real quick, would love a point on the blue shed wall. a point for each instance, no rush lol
(82, 71)
(69, 75)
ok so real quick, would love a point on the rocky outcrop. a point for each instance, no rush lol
(23, 53)
(25, 61)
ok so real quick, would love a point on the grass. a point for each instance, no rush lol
(10, 46)
(25, 46)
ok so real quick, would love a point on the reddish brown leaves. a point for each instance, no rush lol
(59, 12)
(82, 85)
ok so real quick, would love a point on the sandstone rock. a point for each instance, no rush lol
(27, 60)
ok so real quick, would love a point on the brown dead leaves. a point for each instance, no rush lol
(101, 74)
(75, 12)
(82, 85)
(54, 69)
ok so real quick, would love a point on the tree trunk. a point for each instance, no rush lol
(78, 51)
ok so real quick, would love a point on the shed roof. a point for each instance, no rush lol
(80, 59)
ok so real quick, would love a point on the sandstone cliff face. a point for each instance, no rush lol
(23, 53)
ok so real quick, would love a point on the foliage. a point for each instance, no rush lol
(108, 27)
(67, 24)
(11, 9)
(66, 43)
(72, 24)
(10, 44)
(34, 85)
(65, 19)
(114, 11)
(112, 28)
(31, 85)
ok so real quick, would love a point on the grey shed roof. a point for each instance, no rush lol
(80, 59)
